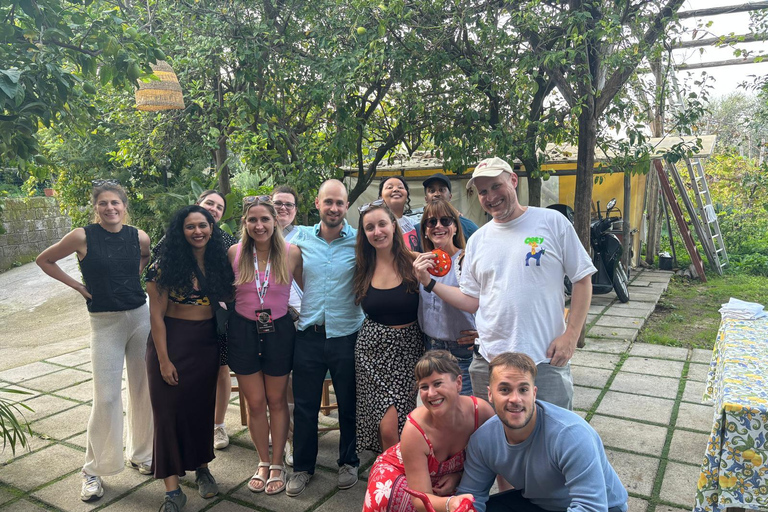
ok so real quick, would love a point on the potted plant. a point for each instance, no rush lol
(13, 430)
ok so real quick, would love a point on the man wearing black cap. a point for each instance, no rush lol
(438, 186)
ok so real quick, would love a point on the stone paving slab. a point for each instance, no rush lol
(660, 351)
(351, 499)
(75, 358)
(619, 321)
(65, 424)
(58, 380)
(651, 385)
(695, 416)
(644, 438)
(701, 355)
(43, 466)
(45, 405)
(648, 366)
(595, 359)
(34, 443)
(24, 506)
(636, 505)
(694, 391)
(636, 472)
(592, 377)
(601, 345)
(150, 496)
(584, 398)
(28, 372)
(679, 479)
(646, 408)
(65, 494)
(698, 372)
(688, 447)
(82, 392)
(322, 484)
(612, 332)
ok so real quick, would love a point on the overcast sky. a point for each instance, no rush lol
(727, 78)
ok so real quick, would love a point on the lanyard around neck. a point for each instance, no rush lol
(261, 288)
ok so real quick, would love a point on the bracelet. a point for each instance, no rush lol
(448, 501)
(431, 285)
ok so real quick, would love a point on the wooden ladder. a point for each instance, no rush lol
(666, 188)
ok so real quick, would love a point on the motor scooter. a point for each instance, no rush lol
(606, 252)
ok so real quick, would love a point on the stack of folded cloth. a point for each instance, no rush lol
(742, 310)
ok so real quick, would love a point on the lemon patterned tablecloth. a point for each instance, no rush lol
(734, 472)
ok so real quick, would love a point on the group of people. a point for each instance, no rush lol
(363, 306)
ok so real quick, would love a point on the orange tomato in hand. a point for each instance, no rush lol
(442, 263)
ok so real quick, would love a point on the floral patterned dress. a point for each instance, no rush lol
(386, 482)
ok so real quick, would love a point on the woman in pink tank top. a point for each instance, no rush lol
(260, 334)
(430, 455)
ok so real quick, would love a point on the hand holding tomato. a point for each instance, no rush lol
(442, 263)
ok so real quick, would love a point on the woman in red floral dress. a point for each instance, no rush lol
(431, 449)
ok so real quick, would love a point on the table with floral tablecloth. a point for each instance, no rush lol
(734, 472)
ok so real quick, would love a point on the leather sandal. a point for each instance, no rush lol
(281, 479)
(258, 478)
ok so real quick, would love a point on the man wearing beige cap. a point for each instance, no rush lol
(512, 278)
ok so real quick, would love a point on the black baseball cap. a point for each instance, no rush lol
(440, 177)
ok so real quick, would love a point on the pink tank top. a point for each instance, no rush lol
(247, 298)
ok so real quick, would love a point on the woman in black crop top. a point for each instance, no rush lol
(112, 256)
(390, 342)
(190, 276)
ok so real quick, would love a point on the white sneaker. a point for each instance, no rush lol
(289, 453)
(220, 438)
(92, 488)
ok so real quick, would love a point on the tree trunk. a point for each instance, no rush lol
(534, 191)
(219, 161)
(585, 162)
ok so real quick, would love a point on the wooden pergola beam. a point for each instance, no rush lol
(711, 41)
(726, 9)
(717, 64)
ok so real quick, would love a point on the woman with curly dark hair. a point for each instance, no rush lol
(388, 292)
(395, 193)
(189, 277)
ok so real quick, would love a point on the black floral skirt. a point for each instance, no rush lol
(384, 363)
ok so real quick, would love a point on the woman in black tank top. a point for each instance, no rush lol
(112, 256)
(390, 342)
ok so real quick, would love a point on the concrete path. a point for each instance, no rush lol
(642, 399)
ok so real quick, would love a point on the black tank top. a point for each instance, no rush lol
(391, 307)
(111, 269)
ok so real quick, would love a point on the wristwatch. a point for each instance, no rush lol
(431, 285)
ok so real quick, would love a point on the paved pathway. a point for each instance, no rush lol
(642, 399)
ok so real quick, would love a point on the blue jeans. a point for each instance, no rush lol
(315, 355)
(463, 354)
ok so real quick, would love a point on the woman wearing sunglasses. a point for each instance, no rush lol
(446, 327)
(190, 275)
(395, 192)
(261, 334)
(112, 256)
(390, 342)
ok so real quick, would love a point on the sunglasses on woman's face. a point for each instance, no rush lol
(444, 221)
(257, 199)
(368, 206)
(99, 183)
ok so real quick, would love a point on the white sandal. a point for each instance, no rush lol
(281, 478)
(257, 477)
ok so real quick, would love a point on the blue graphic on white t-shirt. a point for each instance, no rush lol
(534, 242)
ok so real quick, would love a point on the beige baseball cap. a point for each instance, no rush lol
(489, 168)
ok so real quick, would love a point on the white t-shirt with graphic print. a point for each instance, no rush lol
(516, 269)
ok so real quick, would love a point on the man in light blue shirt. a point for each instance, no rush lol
(552, 457)
(325, 341)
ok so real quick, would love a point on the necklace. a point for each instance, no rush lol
(262, 261)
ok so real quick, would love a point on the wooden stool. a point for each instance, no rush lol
(325, 402)
(241, 400)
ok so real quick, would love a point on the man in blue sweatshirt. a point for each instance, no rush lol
(554, 460)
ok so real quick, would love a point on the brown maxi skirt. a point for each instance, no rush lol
(184, 413)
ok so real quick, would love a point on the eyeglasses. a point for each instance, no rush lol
(99, 183)
(370, 205)
(287, 206)
(257, 199)
(444, 221)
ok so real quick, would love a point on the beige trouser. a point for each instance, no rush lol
(118, 336)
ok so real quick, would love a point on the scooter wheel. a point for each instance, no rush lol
(620, 281)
